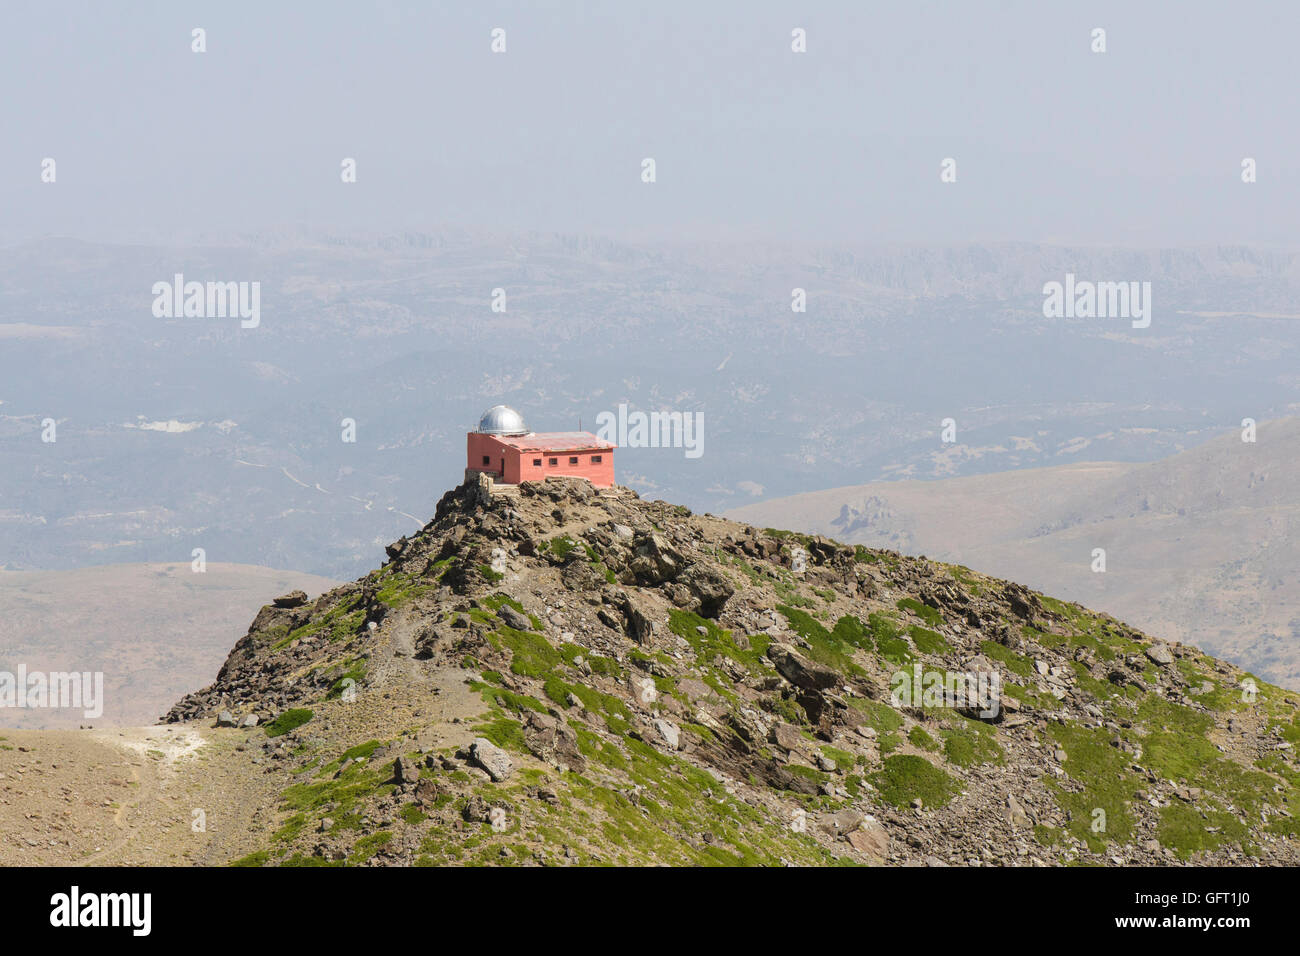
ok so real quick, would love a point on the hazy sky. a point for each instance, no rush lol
(1140, 144)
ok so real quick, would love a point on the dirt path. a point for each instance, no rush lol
(126, 796)
(393, 657)
(193, 794)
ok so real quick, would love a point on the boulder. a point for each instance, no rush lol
(800, 671)
(637, 621)
(405, 771)
(292, 599)
(512, 618)
(709, 587)
(1016, 814)
(554, 741)
(787, 737)
(656, 560)
(491, 758)
(669, 732)
(696, 690)
(426, 791)
(581, 575)
(1023, 602)
(1160, 654)
(870, 839)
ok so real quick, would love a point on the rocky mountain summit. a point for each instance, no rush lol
(553, 674)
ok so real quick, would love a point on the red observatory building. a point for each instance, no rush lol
(505, 449)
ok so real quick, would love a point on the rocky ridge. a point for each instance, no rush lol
(555, 674)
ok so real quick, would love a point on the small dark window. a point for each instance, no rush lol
(487, 460)
(537, 463)
(573, 460)
(595, 459)
(553, 462)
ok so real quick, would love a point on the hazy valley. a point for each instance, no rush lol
(230, 439)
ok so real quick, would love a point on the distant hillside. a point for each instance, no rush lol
(154, 630)
(1200, 547)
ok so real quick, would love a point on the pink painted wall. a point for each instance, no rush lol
(600, 474)
(479, 447)
(512, 465)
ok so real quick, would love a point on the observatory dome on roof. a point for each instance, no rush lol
(505, 451)
(502, 420)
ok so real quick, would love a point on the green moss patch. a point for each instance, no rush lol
(927, 641)
(1099, 809)
(1016, 663)
(889, 640)
(926, 613)
(971, 743)
(714, 641)
(824, 646)
(532, 654)
(342, 621)
(918, 736)
(904, 777)
(294, 717)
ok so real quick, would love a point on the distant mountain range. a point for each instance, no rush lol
(193, 432)
(1203, 546)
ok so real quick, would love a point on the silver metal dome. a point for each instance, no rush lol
(502, 420)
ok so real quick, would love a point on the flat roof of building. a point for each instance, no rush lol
(556, 441)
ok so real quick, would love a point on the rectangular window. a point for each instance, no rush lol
(553, 462)
(595, 459)
(573, 460)
(487, 460)
(537, 463)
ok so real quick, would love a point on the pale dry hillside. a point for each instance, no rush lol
(156, 631)
(1199, 546)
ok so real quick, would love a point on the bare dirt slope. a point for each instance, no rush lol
(158, 795)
